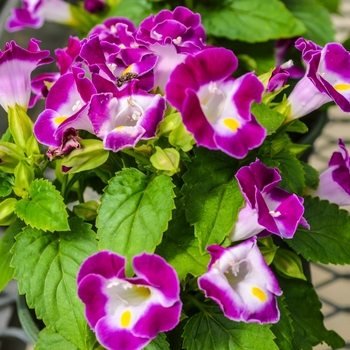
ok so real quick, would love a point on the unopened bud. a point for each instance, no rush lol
(288, 264)
(7, 208)
(24, 175)
(10, 155)
(166, 159)
(86, 211)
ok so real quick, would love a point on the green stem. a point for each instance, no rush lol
(135, 155)
(80, 193)
(64, 186)
(200, 306)
(46, 163)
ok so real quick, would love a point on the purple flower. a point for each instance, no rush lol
(127, 313)
(124, 120)
(279, 77)
(214, 107)
(94, 6)
(334, 182)
(35, 12)
(327, 78)
(239, 280)
(16, 66)
(171, 35)
(267, 207)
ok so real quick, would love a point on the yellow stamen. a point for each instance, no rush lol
(125, 319)
(342, 87)
(59, 120)
(128, 69)
(143, 291)
(257, 292)
(232, 124)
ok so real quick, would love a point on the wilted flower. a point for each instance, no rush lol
(239, 280)
(267, 207)
(127, 313)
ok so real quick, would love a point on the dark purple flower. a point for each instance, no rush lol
(239, 280)
(94, 6)
(267, 207)
(215, 108)
(127, 313)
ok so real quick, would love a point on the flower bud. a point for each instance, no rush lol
(24, 175)
(288, 264)
(90, 156)
(166, 159)
(86, 211)
(268, 249)
(10, 155)
(181, 138)
(7, 207)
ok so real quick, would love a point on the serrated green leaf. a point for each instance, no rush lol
(291, 170)
(212, 196)
(134, 213)
(212, 330)
(304, 307)
(311, 176)
(328, 240)
(250, 20)
(267, 117)
(180, 248)
(319, 28)
(44, 209)
(46, 265)
(6, 243)
(158, 343)
(50, 340)
(283, 329)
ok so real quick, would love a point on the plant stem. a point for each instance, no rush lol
(135, 155)
(195, 302)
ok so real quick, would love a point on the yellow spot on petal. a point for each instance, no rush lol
(128, 69)
(119, 127)
(125, 319)
(143, 292)
(59, 120)
(342, 87)
(257, 292)
(232, 124)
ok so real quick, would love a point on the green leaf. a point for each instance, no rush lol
(297, 126)
(5, 187)
(180, 248)
(158, 343)
(50, 340)
(44, 209)
(212, 196)
(134, 213)
(283, 329)
(46, 265)
(331, 5)
(319, 28)
(267, 117)
(328, 240)
(210, 329)
(304, 307)
(6, 243)
(311, 176)
(250, 20)
(291, 170)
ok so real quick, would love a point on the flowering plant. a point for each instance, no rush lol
(161, 200)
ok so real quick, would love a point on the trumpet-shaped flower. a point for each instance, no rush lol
(327, 78)
(267, 207)
(214, 107)
(122, 121)
(16, 66)
(127, 313)
(334, 182)
(239, 280)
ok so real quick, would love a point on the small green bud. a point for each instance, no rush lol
(21, 126)
(7, 208)
(10, 155)
(166, 159)
(267, 248)
(288, 264)
(24, 175)
(169, 123)
(86, 211)
(181, 138)
(90, 156)
(33, 149)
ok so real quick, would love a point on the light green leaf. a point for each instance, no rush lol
(328, 240)
(158, 343)
(180, 248)
(46, 265)
(250, 20)
(304, 307)
(267, 117)
(50, 340)
(212, 196)
(5, 187)
(6, 243)
(212, 330)
(134, 213)
(44, 209)
(319, 28)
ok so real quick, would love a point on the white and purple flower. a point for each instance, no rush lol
(215, 108)
(267, 207)
(241, 283)
(16, 66)
(127, 313)
(334, 184)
